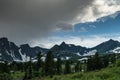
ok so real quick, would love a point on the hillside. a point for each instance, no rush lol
(104, 74)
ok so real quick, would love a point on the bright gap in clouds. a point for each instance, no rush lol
(88, 41)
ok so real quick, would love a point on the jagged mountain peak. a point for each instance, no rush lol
(67, 50)
(25, 45)
(3, 39)
(107, 45)
(63, 44)
(111, 40)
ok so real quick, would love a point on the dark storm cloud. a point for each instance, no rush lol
(28, 19)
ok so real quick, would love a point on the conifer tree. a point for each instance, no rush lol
(67, 67)
(39, 62)
(6, 67)
(30, 69)
(97, 61)
(49, 64)
(90, 64)
(59, 66)
(105, 61)
(94, 63)
(77, 67)
(113, 58)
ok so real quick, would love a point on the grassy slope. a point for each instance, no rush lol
(104, 74)
(17, 75)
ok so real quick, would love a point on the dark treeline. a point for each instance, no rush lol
(97, 62)
(50, 67)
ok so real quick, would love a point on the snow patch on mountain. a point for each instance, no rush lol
(90, 53)
(7, 52)
(13, 56)
(116, 50)
(43, 58)
(25, 58)
(67, 58)
(69, 45)
(0, 54)
(78, 54)
(82, 59)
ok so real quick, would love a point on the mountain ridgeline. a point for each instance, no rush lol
(9, 51)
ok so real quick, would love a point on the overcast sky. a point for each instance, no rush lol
(48, 22)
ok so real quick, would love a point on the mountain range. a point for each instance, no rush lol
(9, 51)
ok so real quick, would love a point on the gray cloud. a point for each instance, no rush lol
(22, 20)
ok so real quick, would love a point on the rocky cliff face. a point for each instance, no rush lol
(10, 51)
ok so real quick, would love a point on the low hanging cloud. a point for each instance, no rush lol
(24, 20)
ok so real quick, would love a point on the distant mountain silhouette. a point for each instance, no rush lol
(107, 46)
(68, 50)
(11, 52)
